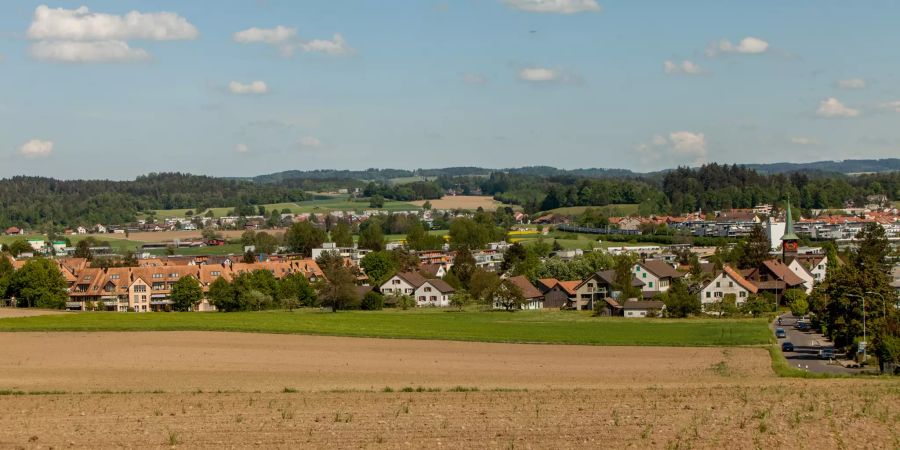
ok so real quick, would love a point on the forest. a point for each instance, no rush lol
(44, 202)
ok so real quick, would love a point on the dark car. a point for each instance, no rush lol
(802, 326)
(787, 347)
(780, 334)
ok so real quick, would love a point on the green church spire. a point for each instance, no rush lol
(789, 234)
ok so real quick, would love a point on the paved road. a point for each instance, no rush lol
(806, 348)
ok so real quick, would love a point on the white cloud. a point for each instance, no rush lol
(36, 148)
(336, 46)
(82, 25)
(309, 142)
(254, 87)
(78, 35)
(679, 147)
(891, 106)
(538, 74)
(79, 52)
(474, 79)
(685, 67)
(241, 148)
(833, 108)
(852, 83)
(800, 140)
(748, 45)
(277, 35)
(554, 6)
(286, 40)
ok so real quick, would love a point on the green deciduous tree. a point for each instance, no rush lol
(39, 283)
(371, 236)
(755, 249)
(185, 293)
(372, 301)
(338, 289)
(679, 301)
(507, 295)
(340, 234)
(378, 266)
(302, 237)
(294, 290)
(222, 295)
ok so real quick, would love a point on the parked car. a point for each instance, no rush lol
(787, 347)
(826, 353)
(803, 326)
(780, 334)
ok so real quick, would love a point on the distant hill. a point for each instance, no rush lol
(847, 166)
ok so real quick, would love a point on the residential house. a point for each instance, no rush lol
(558, 294)
(100, 229)
(37, 244)
(14, 231)
(426, 292)
(656, 275)
(729, 281)
(774, 277)
(597, 287)
(435, 270)
(801, 271)
(643, 308)
(81, 230)
(534, 298)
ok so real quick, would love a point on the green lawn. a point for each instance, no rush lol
(551, 327)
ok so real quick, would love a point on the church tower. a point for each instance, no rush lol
(790, 243)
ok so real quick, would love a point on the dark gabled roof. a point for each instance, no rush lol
(608, 277)
(660, 268)
(440, 285)
(643, 304)
(783, 272)
(430, 269)
(528, 289)
(413, 278)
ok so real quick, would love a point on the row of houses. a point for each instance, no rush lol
(149, 286)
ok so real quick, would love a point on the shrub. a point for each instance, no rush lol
(372, 301)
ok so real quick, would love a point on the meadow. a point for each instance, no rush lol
(545, 327)
(624, 209)
(319, 204)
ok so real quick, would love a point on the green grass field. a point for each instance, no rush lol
(625, 209)
(549, 327)
(570, 241)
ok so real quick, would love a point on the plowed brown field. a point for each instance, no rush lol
(240, 390)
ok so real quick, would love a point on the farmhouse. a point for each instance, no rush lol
(773, 276)
(729, 281)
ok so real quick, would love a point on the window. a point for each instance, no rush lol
(707, 294)
(650, 284)
(395, 281)
(718, 284)
(433, 298)
(718, 294)
(136, 298)
(114, 276)
(644, 275)
(157, 275)
(140, 288)
(421, 298)
(216, 273)
(427, 289)
(743, 293)
(173, 275)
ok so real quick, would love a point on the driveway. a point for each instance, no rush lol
(806, 348)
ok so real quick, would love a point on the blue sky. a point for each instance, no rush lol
(105, 92)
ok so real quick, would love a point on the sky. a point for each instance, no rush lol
(120, 88)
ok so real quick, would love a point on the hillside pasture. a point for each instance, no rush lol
(470, 202)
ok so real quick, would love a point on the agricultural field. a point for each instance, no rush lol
(321, 204)
(470, 202)
(209, 389)
(546, 327)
